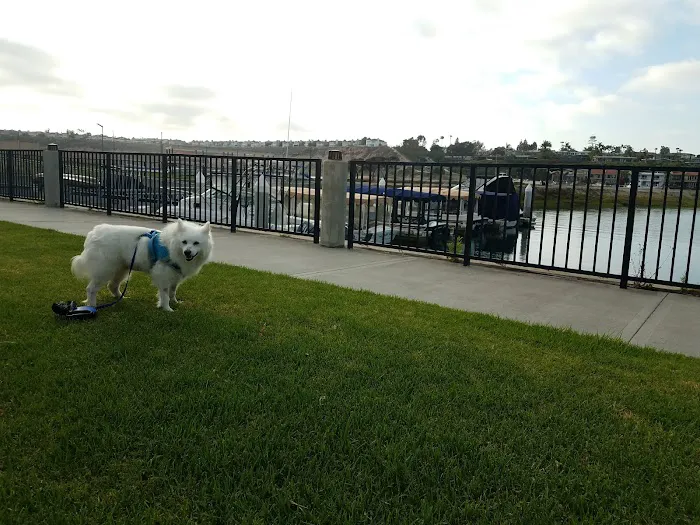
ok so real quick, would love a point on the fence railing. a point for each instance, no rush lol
(277, 195)
(21, 174)
(621, 222)
(629, 223)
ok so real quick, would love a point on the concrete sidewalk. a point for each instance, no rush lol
(647, 318)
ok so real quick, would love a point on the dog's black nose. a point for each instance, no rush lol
(188, 253)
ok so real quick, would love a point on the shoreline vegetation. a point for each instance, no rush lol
(591, 199)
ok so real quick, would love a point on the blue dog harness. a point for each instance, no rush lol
(158, 252)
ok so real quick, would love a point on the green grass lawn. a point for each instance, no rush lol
(265, 399)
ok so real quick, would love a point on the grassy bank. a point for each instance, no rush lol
(673, 198)
(265, 399)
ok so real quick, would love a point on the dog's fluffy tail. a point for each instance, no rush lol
(77, 266)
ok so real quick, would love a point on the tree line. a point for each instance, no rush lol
(417, 149)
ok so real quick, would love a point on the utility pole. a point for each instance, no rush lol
(289, 120)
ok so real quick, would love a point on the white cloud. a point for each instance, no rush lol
(425, 28)
(566, 116)
(674, 77)
(496, 71)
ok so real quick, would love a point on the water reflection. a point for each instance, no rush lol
(595, 242)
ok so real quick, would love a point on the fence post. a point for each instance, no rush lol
(335, 179)
(233, 208)
(351, 206)
(164, 184)
(471, 199)
(53, 186)
(317, 202)
(108, 176)
(631, 206)
(10, 174)
(3, 170)
(61, 183)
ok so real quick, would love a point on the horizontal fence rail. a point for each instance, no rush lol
(21, 175)
(627, 223)
(276, 195)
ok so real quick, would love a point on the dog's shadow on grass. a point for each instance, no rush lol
(135, 326)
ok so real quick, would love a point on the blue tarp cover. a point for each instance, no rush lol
(398, 193)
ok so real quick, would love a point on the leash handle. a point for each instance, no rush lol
(128, 277)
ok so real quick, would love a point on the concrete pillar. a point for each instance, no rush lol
(333, 192)
(52, 177)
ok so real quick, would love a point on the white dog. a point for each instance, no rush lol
(170, 256)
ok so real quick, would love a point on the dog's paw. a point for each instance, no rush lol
(165, 308)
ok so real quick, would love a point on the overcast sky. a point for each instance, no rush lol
(493, 70)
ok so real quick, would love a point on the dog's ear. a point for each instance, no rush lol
(206, 227)
(180, 224)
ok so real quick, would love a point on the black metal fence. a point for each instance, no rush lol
(629, 223)
(276, 195)
(113, 182)
(21, 174)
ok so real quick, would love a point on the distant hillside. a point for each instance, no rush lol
(380, 153)
(10, 139)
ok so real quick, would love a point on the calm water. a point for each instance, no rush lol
(547, 243)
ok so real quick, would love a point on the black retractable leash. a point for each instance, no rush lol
(69, 310)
